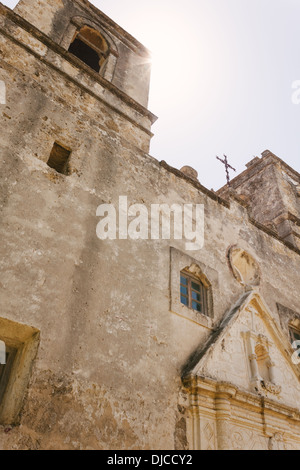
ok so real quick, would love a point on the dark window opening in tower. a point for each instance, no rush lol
(90, 47)
(86, 54)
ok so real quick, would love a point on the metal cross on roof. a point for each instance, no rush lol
(227, 166)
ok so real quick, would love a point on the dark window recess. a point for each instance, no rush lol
(295, 334)
(59, 159)
(86, 54)
(193, 294)
(5, 370)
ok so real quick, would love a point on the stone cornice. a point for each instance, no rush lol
(206, 386)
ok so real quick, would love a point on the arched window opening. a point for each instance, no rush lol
(90, 47)
(194, 292)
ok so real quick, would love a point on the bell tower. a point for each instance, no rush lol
(88, 34)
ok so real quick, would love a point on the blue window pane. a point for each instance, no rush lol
(184, 300)
(183, 290)
(196, 286)
(183, 280)
(196, 306)
(196, 296)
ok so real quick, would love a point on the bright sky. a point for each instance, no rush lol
(222, 78)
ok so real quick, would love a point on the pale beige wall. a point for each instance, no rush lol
(108, 369)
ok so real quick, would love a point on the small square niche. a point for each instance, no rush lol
(59, 159)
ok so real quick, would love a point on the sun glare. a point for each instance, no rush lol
(187, 63)
(173, 49)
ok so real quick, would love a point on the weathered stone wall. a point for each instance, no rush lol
(107, 374)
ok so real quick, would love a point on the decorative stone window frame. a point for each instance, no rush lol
(24, 340)
(74, 27)
(257, 342)
(180, 262)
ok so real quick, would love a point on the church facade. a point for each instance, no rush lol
(117, 330)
